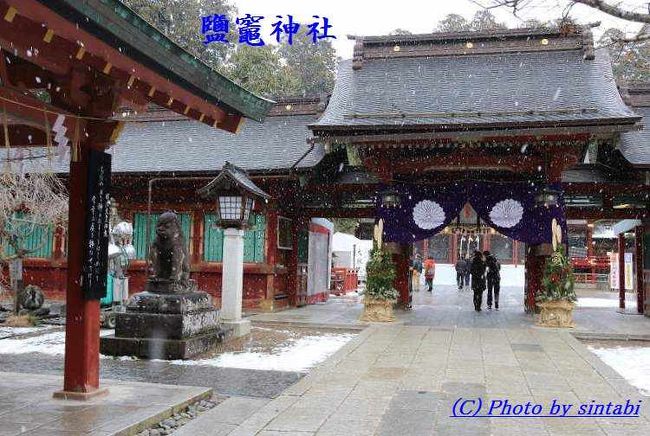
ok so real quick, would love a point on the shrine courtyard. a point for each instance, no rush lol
(399, 378)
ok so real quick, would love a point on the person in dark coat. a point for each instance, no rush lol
(478, 279)
(461, 270)
(493, 279)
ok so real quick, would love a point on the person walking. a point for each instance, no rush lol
(429, 273)
(493, 279)
(478, 279)
(468, 265)
(416, 271)
(461, 269)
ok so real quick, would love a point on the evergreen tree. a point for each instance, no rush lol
(263, 71)
(181, 21)
(312, 65)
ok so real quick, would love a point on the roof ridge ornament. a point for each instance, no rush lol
(589, 53)
(357, 54)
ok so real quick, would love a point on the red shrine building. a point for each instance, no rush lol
(450, 120)
(65, 68)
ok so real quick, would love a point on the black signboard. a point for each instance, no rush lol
(97, 226)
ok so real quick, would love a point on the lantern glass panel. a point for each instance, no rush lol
(230, 208)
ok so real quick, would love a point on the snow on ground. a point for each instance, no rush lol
(602, 302)
(49, 343)
(511, 275)
(633, 363)
(299, 355)
(6, 332)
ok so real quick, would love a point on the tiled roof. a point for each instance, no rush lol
(448, 89)
(635, 146)
(180, 146)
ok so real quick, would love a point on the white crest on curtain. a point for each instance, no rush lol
(507, 213)
(428, 215)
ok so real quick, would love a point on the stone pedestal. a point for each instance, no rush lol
(232, 284)
(158, 324)
(237, 328)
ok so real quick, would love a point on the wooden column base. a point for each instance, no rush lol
(80, 396)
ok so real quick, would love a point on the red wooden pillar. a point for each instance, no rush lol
(486, 241)
(590, 251)
(59, 249)
(534, 271)
(638, 256)
(454, 248)
(293, 274)
(81, 375)
(621, 271)
(401, 282)
(271, 249)
(197, 236)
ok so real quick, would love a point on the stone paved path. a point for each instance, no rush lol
(403, 380)
(446, 307)
(27, 407)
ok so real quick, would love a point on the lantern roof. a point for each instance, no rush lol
(229, 175)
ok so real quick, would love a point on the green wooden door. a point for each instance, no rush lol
(140, 231)
(254, 239)
(38, 240)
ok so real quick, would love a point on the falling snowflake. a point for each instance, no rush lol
(507, 213)
(428, 215)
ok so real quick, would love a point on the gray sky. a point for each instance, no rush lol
(379, 17)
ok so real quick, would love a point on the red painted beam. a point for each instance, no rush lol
(31, 109)
(604, 213)
(98, 54)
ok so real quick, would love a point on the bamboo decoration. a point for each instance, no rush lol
(379, 233)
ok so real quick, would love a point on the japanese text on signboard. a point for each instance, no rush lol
(97, 225)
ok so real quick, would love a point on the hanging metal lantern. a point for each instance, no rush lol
(235, 195)
(390, 198)
(547, 197)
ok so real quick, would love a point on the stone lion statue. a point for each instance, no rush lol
(168, 252)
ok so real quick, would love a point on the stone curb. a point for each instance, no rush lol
(133, 429)
(610, 336)
(306, 324)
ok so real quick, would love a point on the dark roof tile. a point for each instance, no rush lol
(473, 90)
(635, 146)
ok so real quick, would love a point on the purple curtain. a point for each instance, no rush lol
(423, 211)
(510, 208)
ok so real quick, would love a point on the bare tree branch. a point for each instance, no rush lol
(615, 11)
(637, 38)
